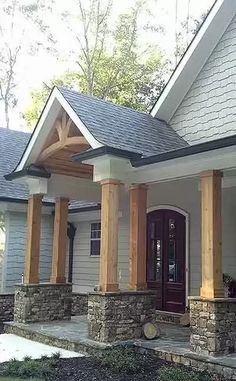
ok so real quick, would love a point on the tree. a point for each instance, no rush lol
(2, 222)
(16, 18)
(111, 64)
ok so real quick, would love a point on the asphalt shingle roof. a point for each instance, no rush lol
(121, 127)
(12, 145)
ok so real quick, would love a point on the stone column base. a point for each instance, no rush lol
(116, 316)
(213, 325)
(42, 302)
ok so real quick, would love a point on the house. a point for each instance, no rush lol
(166, 183)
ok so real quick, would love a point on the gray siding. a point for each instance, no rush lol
(182, 194)
(209, 108)
(86, 267)
(15, 248)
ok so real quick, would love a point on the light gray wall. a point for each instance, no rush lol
(183, 194)
(86, 267)
(15, 248)
(208, 110)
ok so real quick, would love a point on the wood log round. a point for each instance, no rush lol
(151, 331)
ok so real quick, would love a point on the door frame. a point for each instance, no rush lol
(187, 240)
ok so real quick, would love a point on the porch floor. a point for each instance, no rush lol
(173, 344)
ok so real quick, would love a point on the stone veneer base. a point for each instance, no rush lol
(116, 316)
(212, 325)
(79, 304)
(6, 307)
(42, 302)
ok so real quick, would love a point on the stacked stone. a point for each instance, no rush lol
(42, 302)
(79, 304)
(6, 307)
(213, 326)
(119, 315)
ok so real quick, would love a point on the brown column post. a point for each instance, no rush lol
(33, 239)
(59, 241)
(137, 237)
(109, 235)
(212, 282)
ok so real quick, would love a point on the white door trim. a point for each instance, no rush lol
(187, 239)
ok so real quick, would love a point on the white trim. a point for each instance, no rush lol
(194, 59)
(44, 128)
(5, 254)
(187, 240)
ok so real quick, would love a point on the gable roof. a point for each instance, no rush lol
(201, 47)
(122, 127)
(12, 145)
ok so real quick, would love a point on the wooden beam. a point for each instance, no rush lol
(109, 235)
(137, 237)
(55, 147)
(33, 239)
(212, 278)
(59, 241)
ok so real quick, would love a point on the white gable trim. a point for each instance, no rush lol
(194, 59)
(44, 128)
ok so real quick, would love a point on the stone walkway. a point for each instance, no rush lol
(12, 346)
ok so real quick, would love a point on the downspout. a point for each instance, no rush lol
(71, 229)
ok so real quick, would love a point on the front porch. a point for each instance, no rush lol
(172, 345)
(163, 261)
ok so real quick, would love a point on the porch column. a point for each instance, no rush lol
(59, 241)
(33, 239)
(212, 282)
(109, 235)
(137, 238)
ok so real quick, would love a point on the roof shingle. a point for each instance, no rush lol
(122, 127)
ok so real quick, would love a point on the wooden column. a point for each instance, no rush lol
(137, 240)
(33, 239)
(212, 282)
(59, 241)
(109, 235)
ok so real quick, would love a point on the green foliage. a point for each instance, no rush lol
(42, 369)
(18, 379)
(39, 97)
(56, 355)
(122, 359)
(173, 373)
(111, 64)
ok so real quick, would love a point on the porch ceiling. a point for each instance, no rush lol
(64, 141)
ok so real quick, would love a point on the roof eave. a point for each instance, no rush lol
(106, 150)
(228, 141)
(29, 171)
(194, 59)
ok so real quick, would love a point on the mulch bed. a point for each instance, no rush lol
(87, 369)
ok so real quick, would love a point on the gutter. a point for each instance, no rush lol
(212, 145)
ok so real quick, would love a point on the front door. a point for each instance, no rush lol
(166, 258)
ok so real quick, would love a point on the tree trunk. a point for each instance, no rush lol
(7, 114)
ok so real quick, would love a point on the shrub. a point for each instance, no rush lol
(121, 359)
(180, 374)
(56, 355)
(43, 368)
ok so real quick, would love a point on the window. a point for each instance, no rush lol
(95, 239)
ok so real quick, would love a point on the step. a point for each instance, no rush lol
(168, 317)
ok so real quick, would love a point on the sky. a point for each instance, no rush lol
(35, 69)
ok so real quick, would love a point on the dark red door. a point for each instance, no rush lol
(166, 258)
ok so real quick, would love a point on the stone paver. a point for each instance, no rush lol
(12, 346)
